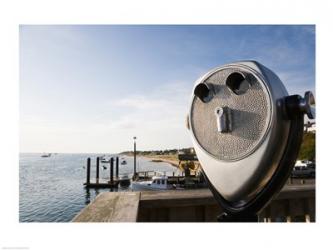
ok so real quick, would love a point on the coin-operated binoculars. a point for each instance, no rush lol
(247, 132)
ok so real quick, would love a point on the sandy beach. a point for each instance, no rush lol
(164, 158)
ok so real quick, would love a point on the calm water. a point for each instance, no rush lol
(51, 189)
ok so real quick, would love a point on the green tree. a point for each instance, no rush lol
(308, 147)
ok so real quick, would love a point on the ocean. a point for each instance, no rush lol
(51, 189)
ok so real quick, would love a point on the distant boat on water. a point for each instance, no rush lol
(104, 160)
(46, 155)
(123, 162)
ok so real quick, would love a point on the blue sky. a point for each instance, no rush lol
(92, 88)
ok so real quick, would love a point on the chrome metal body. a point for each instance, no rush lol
(239, 177)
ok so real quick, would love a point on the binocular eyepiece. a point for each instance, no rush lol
(246, 131)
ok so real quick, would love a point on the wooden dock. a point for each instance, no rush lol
(185, 179)
(113, 182)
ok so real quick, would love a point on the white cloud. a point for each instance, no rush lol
(139, 102)
(157, 118)
(162, 109)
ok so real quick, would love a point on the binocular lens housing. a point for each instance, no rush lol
(237, 83)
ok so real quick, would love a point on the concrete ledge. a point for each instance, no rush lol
(111, 207)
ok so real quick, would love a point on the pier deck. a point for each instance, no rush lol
(293, 203)
(111, 207)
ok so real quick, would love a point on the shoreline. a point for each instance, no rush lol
(157, 159)
(170, 159)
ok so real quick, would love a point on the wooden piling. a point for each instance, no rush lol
(88, 171)
(97, 169)
(111, 170)
(134, 158)
(117, 167)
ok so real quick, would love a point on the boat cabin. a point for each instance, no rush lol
(159, 182)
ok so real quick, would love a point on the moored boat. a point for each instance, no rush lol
(105, 161)
(156, 183)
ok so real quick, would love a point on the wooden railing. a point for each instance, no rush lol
(293, 203)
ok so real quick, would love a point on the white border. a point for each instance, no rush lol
(179, 236)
